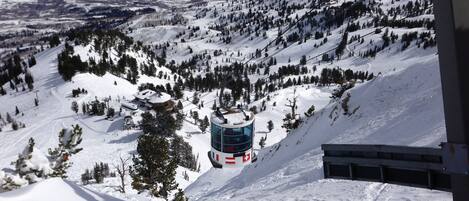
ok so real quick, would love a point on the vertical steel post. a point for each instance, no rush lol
(452, 29)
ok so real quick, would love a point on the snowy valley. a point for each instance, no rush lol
(357, 72)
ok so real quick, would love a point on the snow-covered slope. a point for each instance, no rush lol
(55, 190)
(103, 140)
(402, 107)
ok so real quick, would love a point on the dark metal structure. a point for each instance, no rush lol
(410, 166)
(452, 29)
(446, 168)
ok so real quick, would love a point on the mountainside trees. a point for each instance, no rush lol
(33, 166)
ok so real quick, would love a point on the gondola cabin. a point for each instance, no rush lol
(232, 135)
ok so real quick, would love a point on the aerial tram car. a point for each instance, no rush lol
(232, 136)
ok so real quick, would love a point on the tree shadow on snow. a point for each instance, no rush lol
(126, 139)
(115, 125)
(90, 195)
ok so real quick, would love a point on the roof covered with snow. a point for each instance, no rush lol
(234, 118)
(153, 96)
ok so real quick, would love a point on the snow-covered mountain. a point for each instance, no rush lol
(274, 51)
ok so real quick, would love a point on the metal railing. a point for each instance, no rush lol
(410, 166)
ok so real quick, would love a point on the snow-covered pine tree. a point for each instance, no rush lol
(32, 164)
(179, 196)
(68, 145)
(10, 182)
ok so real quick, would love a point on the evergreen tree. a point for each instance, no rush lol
(204, 124)
(17, 111)
(179, 105)
(153, 169)
(11, 182)
(303, 60)
(83, 108)
(262, 142)
(161, 124)
(195, 116)
(342, 45)
(110, 112)
(74, 106)
(179, 196)
(86, 177)
(98, 173)
(54, 41)
(28, 78)
(2, 91)
(9, 118)
(195, 98)
(270, 125)
(14, 125)
(32, 61)
(31, 167)
(68, 146)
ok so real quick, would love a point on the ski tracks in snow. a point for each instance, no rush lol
(374, 190)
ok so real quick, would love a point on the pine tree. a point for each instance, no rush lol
(17, 111)
(2, 91)
(195, 98)
(344, 104)
(98, 173)
(9, 118)
(195, 116)
(11, 182)
(110, 113)
(270, 125)
(303, 60)
(32, 169)
(68, 146)
(179, 105)
(12, 86)
(28, 78)
(74, 107)
(179, 196)
(153, 169)
(262, 142)
(33, 61)
(83, 108)
(86, 177)
(14, 125)
(204, 124)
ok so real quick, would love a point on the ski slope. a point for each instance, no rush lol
(401, 107)
(63, 190)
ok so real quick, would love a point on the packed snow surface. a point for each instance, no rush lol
(55, 190)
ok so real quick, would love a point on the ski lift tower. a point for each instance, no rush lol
(232, 135)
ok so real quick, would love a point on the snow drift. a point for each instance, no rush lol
(55, 190)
